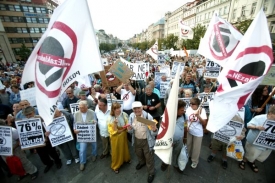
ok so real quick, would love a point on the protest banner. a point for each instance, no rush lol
(60, 131)
(266, 138)
(200, 71)
(206, 98)
(28, 94)
(231, 129)
(30, 133)
(269, 78)
(161, 59)
(212, 69)
(165, 69)
(110, 102)
(157, 78)
(187, 101)
(175, 67)
(121, 71)
(140, 70)
(164, 85)
(87, 132)
(6, 141)
(108, 79)
(74, 107)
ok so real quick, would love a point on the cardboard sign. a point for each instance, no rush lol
(87, 132)
(5, 141)
(121, 71)
(187, 101)
(269, 78)
(157, 78)
(212, 69)
(74, 108)
(110, 102)
(108, 79)
(29, 94)
(175, 67)
(206, 98)
(30, 133)
(231, 129)
(164, 85)
(266, 138)
(145, 121)
(60, 131)
(140, 70)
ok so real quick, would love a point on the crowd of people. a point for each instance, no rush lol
(118, 125)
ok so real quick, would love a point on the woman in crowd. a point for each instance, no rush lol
(188, 93)
(93, 95)
(196, 118)
(117, 128)
(11, 117)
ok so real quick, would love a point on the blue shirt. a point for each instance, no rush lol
(179, 130)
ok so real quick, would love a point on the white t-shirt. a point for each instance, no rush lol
(128, 98)
(196, 127)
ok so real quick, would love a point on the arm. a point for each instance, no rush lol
(133, 91)
(118, 90)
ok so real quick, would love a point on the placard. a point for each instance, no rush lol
(161, 59)
(140, 70)
(109, 103)
(266, 138)
(157, 78)
(200, 71)
(176, 64)
(212, 69)
(187, 101)
(87, 132)
(121, 71)
(206, 98)
(145, 121)
(5, 141)
(108, 79)
(30, 133)
(269, 78)
(231, 129)
(165, 69)
(164, 85)
(60, 131)
(29, 94)
(74, 108)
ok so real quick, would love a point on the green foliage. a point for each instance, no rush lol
(170, 41)
(24, 52)
(107, 47)
(243, 26)
(119, 44)
(193, 44)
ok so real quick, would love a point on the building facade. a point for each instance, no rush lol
(25, 21)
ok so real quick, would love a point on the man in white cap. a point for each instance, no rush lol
(143, 138)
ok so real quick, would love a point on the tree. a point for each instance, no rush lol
(193, 44)
(243, 26)
(106, 47)
(24, 52)
(119, 44)
(170, 41)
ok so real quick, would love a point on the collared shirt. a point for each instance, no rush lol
(179, 130)
(140, 129)
(101, 119)
(84, 115)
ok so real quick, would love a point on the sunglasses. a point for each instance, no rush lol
(192, 104)
(69, 93)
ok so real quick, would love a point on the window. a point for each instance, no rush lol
(6, 19)
(38, 10)
(3, 7)
(15, 19)
(243, 11)
(220, 11)
(10, 29)
(265, 8)
(31, 30)
(34, 40)
(29, 20)
(24, 30)
(25, 9)
(234, 13)
(17, 8)
(19, 30)
(31, 9)
(225, 10)
(34, 20)
(253, 8)
(27, 40)
(36, 30)
(43, 10)
(11, 8)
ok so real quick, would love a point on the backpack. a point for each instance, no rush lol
(15, 165)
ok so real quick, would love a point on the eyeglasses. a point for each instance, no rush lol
(69, 93)
(192, 104)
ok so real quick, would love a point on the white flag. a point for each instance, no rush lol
(242, 74)
(1, 86)
(163, 146)
(153, 51)
(219, 41)
(67, 51)
(186, 32)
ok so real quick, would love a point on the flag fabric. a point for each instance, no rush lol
(163, 146)
(153, 51)
(243, 72)
(2, 87)
(186, 32)
(219, 41)
(66, 51)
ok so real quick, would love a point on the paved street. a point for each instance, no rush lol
(100, 171)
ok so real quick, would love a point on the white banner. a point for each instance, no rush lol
(153, 51)
(186, 31)
(161, 59)
(266, 138)
(165, 69)
(87, 132)
(164, 85)
(29, 94)
(74, 108)
(30, 133)
(206, 98)
(212, 69)
(6, 148)
(60, 131)
(175, 67)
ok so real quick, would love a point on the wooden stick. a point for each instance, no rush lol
(269, 97)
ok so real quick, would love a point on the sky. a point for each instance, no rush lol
(125, 18)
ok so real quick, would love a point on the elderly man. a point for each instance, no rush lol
(84, 115)
(255, 152)
(150, 102)
(102, 114)
(70, 99)
(127, 95)
(83, 97)
(23, 104)
(47, 151)
(144, 139)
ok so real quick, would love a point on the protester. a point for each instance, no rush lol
(23, 104)
(117, 122)
(4, 96)
(84, 115)
(189, 84)
(91, 104)
(143, 139)
(15, 95)
(70, 99)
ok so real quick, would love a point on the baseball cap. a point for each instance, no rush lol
(28, 110)
(82, 93)
(136, 104)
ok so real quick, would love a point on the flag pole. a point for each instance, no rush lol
(269, 97)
